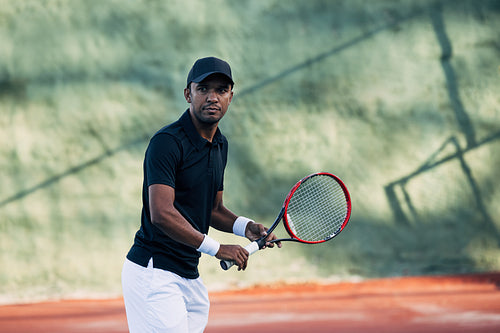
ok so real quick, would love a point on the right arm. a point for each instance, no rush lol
(170, 221)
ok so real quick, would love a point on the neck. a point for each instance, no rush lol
(206, 131)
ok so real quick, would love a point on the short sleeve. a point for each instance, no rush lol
(162, 159)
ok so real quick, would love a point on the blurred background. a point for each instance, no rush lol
(398, 98)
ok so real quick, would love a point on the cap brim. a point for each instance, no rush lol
(205, 75)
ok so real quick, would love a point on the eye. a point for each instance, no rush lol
(224, 89)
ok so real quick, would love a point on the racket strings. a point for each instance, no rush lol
(318, 209)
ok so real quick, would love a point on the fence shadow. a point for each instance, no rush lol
(467, 130)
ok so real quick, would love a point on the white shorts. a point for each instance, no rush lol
(161, 301)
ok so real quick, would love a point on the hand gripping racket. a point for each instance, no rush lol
(315, 210)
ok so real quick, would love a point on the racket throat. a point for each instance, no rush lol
(285, 240)
(262, 241)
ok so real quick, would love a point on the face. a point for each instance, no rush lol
(209, 99)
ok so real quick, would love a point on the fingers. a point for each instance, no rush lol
(270, 241)
(262, 231)
(242, 259)
(277, 243)
(234, 253)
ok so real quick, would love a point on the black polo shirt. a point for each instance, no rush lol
(179, 157)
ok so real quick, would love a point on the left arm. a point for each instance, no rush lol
(223, 220)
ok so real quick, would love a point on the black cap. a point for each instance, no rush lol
(208, 66)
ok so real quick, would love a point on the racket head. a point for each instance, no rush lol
(317, 208)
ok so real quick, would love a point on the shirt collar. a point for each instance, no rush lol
(196, 139)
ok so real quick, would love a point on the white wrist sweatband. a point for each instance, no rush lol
(240, 225)
(209, 246)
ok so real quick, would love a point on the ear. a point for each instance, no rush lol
(187, 94)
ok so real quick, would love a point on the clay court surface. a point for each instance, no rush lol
(469, 303)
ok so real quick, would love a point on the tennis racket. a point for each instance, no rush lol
(315, 210)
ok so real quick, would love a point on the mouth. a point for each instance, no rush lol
(211, 108)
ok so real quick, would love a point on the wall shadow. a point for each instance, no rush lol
(466, 128)
(145, 76)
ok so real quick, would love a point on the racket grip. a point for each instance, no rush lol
(251, 248)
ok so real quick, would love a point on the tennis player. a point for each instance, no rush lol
(182, 197)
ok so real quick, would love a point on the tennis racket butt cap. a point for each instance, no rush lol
(225, 265)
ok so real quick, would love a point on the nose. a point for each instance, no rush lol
(212, 96)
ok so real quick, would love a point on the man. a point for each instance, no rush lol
(182, 197)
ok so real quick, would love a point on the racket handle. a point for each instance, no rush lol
(251, 248)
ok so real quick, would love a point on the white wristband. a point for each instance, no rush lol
(209, 246)
(240, 225)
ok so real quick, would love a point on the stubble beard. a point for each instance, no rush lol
(208, 118)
